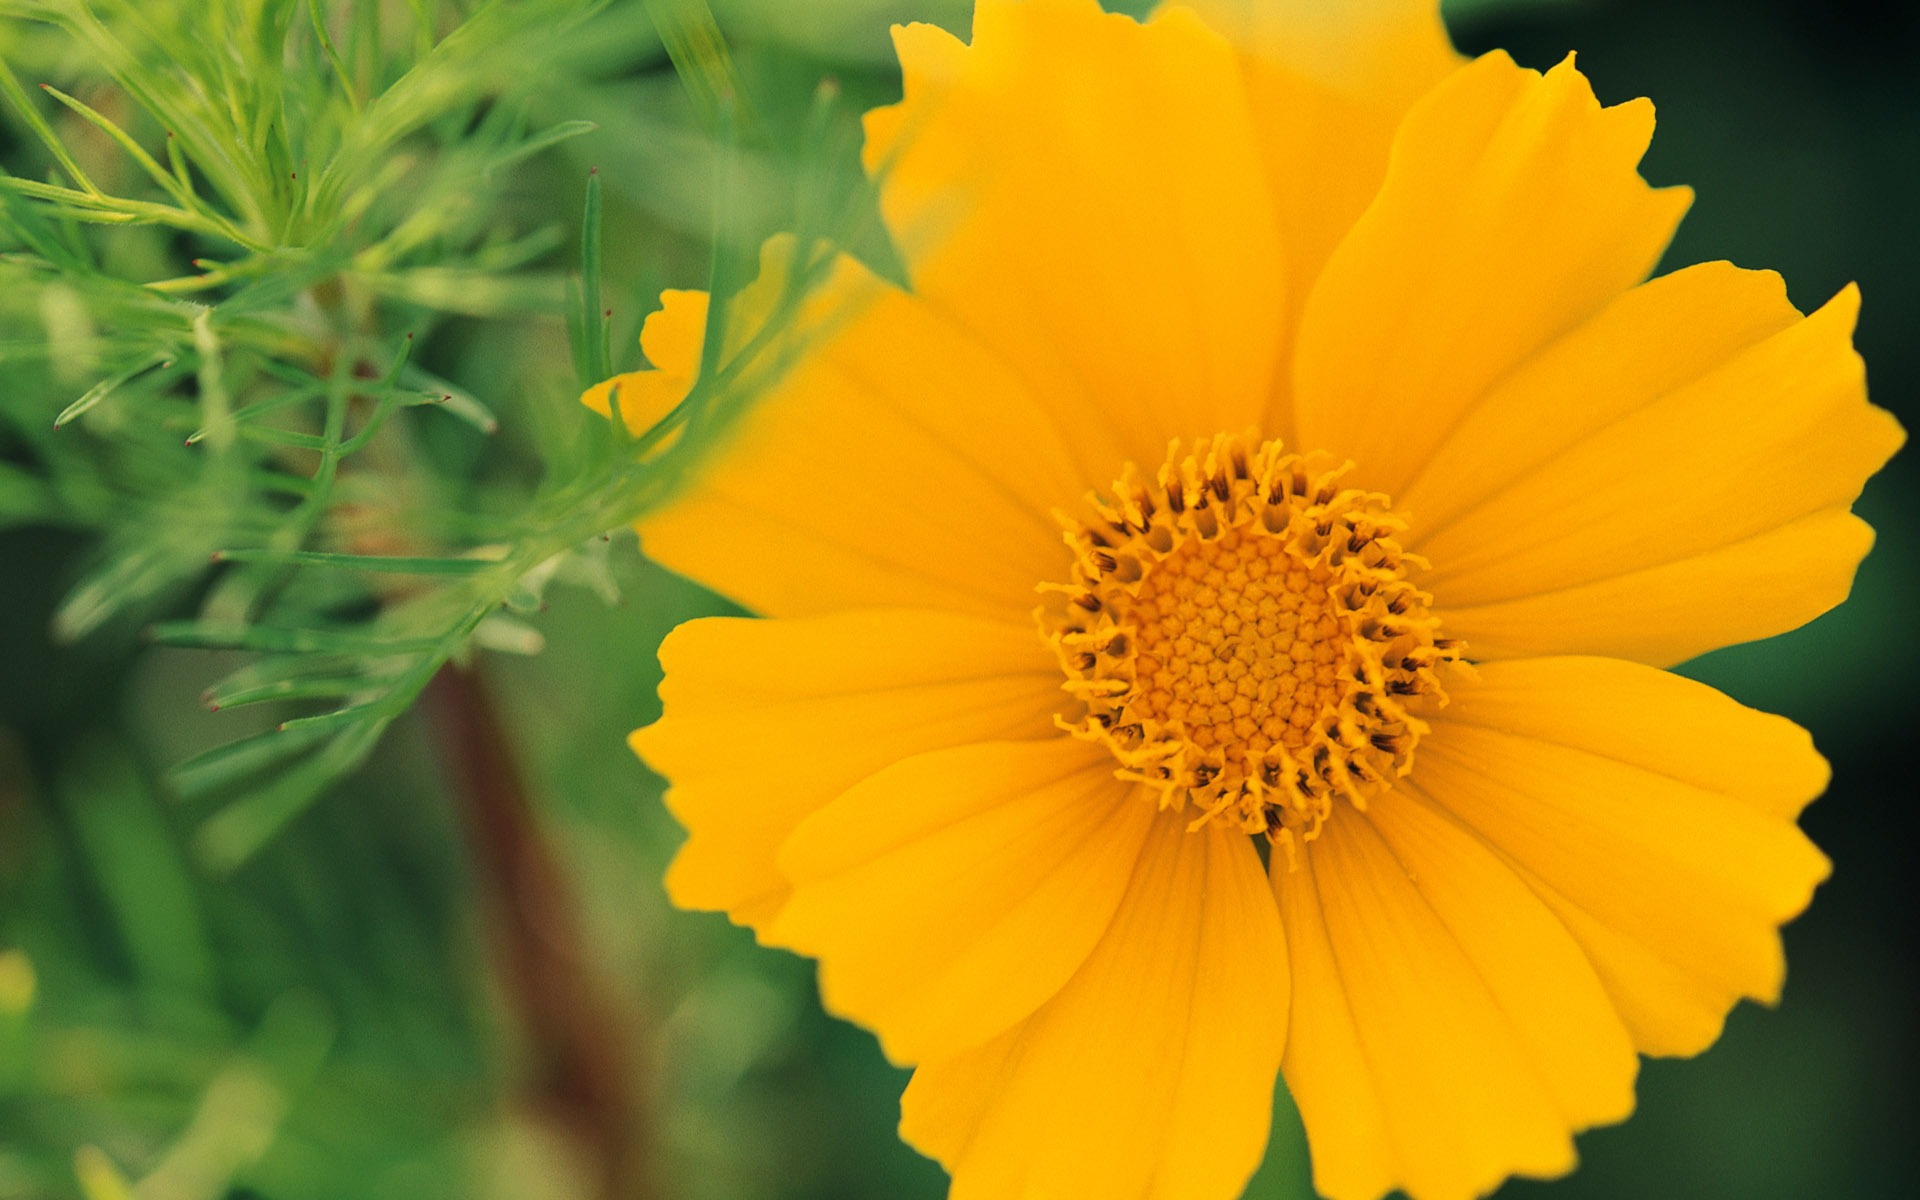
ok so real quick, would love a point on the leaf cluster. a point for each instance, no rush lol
(296, 301)
(255, 436)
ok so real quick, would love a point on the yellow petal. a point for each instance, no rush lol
(1511, 213)
(1328, 85)
(755, 737)
(951, 894)
(1660, 722)
(1651, 341)
(670, 337)
(1086, 193)
(1750, 589)
(1455, 1033)
(1383, 52)
(895, 462)
(1350, 1136)
(1653, 814)
(1151, 1074)
(1705, 505)
(1546, 991)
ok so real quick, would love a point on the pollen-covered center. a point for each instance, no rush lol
(1238, 642)
(1240, 631)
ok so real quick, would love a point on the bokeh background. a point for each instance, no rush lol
(453, 972)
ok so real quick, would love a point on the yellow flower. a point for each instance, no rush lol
(1343, 747)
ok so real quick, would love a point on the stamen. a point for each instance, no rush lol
(1256, 654)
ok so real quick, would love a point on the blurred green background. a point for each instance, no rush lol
(420, 980)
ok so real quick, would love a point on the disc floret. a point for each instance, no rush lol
(1241, 633)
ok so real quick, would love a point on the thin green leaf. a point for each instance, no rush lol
(238, 831)
(699, 53)
(210, 635)
(353, 715)
(31, 115)
(597, 361)
(106, 387)
(102, 209)
(452, 399)
(135, 575)
(290, 398)
(359, 562)
(228, 695)
(340, 71)
(224, 766)
(553, 135)
(266, 435)
(134, 150)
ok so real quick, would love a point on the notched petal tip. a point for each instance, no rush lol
(1878, 433)
(928, 54)
(1512, 212)
(673, 334)
(1681, 802)
(1888, 433)
(931, 61)
(671, 338)
(654, 745)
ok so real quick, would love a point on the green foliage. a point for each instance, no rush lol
(296, 301)
(332, 198)
(183, 1045)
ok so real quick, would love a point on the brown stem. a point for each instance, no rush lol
(582, 1062)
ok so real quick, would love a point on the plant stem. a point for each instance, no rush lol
(582, 1067)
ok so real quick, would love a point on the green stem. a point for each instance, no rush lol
(582, 1068)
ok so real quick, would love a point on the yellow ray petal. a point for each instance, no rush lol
(1456, 1033)
(1511, 212)
(1692, 511)
(1151, 1074)
(1086, 193)
(895, 462)
(670, 337)
(1385, 52)
(1545, 989)
(1349, 1135)
(673, 336)
(1652, 814)
(1668, 724)
(951, 894)
(1651, 341)
(1328, 85)
(755, 734)
(1750, 589)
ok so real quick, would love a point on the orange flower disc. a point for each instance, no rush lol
(1242, 634)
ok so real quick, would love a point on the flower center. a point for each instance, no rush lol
(1241, 633)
